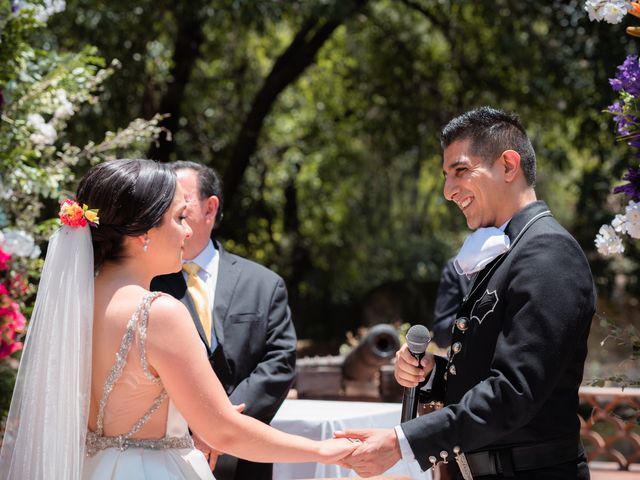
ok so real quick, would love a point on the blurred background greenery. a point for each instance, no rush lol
(323, 118)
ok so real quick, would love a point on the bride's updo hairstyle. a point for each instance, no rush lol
(131, 196)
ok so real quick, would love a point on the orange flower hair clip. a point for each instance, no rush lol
(74, 215)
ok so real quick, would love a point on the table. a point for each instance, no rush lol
(318, 419)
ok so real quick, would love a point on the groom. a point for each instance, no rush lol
(510, 383)
(246, 323)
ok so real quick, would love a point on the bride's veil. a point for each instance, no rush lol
(47, 422)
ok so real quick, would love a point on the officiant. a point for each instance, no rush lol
(509, 387)
(241, 312)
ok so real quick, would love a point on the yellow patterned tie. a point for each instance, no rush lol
(198, 291)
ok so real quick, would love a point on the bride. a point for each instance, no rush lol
(111, 373)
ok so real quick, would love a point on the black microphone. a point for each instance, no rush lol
(417, 340)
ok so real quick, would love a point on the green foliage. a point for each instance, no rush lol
(41, 90)
(343, 193)
(15, 35)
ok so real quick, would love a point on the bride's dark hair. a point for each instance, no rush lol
(131, 196)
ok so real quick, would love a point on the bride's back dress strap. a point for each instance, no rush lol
(97, 441)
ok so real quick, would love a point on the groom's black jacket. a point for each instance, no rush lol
(255, 359)
(515, 379)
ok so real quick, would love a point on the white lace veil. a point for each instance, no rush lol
(47, 423)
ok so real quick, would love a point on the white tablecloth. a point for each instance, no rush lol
(318, 419)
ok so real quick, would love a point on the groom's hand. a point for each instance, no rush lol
(407, 372)
(379, 451)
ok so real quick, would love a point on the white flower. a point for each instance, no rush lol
(608, 242)
(619, 223)
(65, 108)
(46, 9)
(632, 214)
(43, 133)
(611, 11)
(35, 120)
(20, 243)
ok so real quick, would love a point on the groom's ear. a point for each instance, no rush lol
(510, 162)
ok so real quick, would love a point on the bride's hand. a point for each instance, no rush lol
(335, 449)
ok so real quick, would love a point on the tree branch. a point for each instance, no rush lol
(442, 24)
(185, 54)
(287, 68)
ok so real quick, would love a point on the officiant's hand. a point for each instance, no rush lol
(406, 370)
(211, 454)
(378, 452)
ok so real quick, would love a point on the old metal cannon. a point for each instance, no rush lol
(377, 348)
(365, 373)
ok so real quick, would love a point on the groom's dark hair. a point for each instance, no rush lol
(491, 132)
(132, 196)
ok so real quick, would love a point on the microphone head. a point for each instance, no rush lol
(417, 339)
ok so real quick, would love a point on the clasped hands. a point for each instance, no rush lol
(378, 449)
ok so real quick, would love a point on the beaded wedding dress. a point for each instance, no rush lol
(130, 443)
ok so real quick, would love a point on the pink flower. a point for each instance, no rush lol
(4, 260)
(8, 345)
(8, 348)
(17, 284)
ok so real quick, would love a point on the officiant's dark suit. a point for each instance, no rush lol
(255, 356)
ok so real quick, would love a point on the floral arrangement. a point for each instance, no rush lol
(611, 11)
(13, 289)
(19, 257)
(40, 91)
(626, 115)
(74, 215)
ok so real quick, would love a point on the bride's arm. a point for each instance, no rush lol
(175, 351)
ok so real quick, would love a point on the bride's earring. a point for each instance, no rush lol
(145, 247)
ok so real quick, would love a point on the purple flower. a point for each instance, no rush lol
(628, 76)
(623, 122)
(631, 189)
(14, 6)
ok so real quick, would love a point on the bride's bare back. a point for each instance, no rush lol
(134, 392)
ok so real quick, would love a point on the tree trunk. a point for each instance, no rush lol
(186, 50)
(287, 68)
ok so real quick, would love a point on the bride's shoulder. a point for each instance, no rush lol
(170, 327)
(166, 308)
